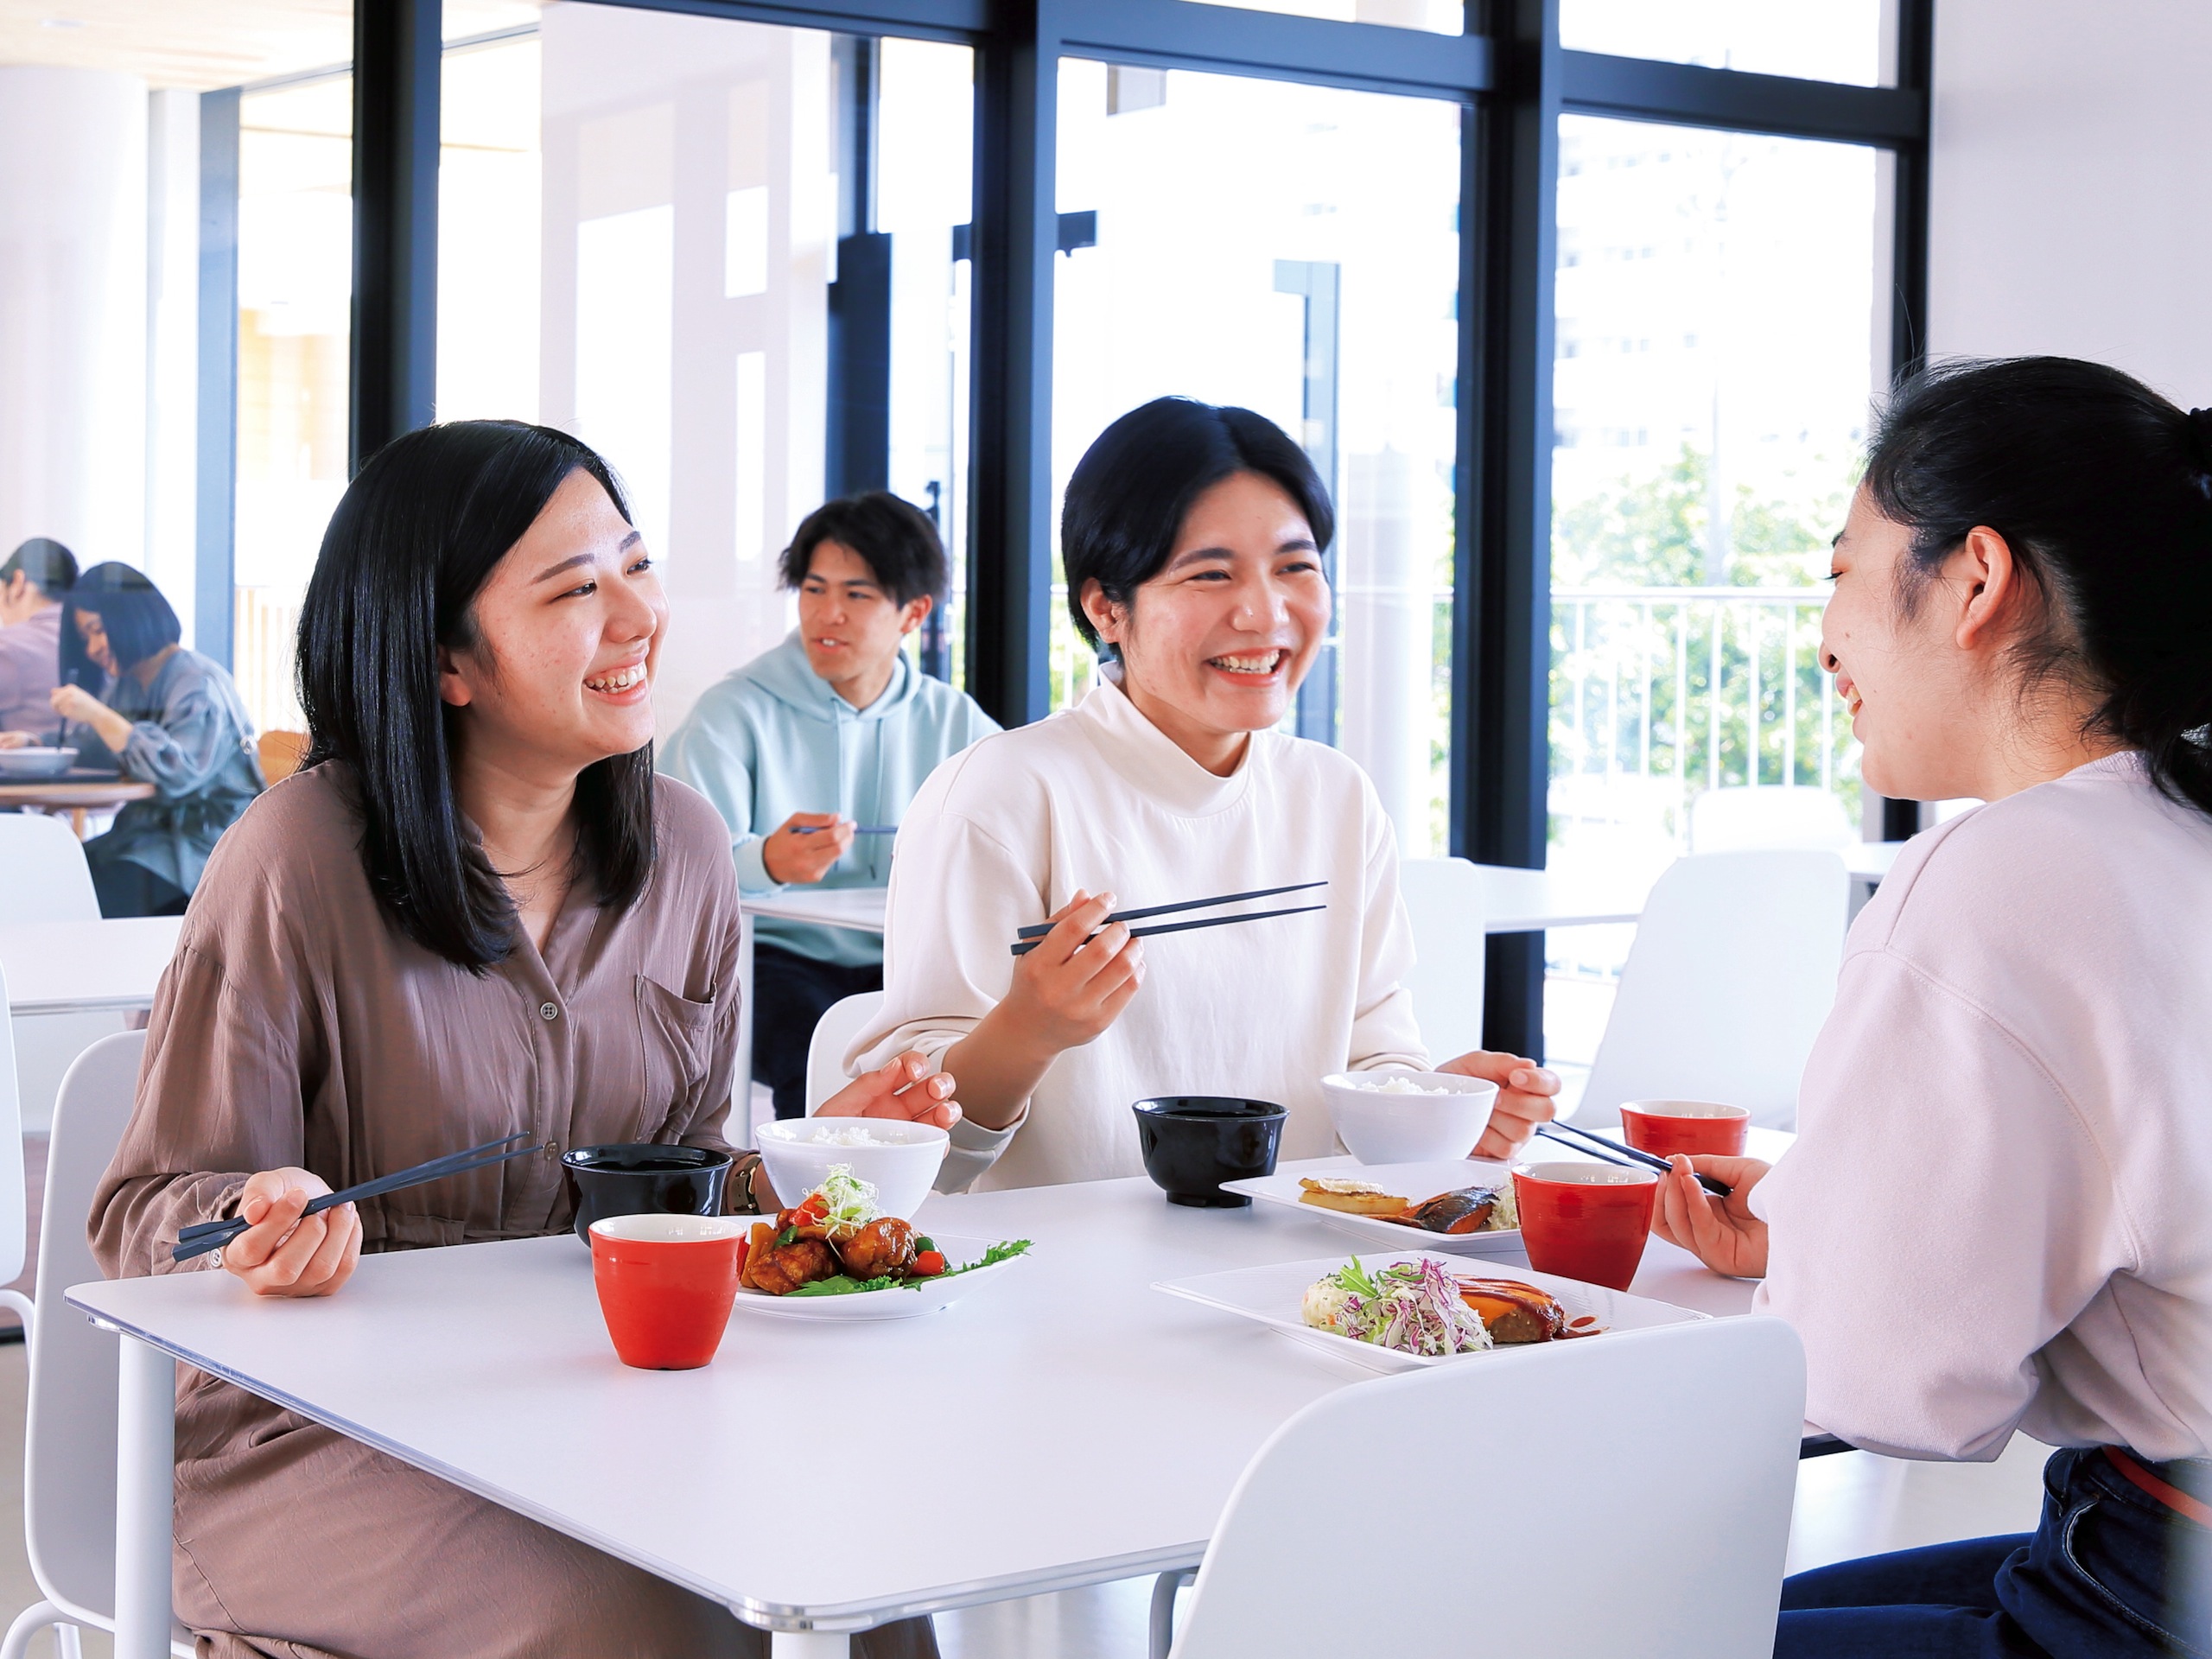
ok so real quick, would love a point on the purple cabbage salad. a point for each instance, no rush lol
(1411, 1307)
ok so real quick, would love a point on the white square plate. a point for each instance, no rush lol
(1272, 1295)
(1417, 1183)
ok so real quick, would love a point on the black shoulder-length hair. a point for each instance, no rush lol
(1130, 492)
(136, 619)
(2103, 491)
(412, 544)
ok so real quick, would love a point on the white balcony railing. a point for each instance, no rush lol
(1661, 693)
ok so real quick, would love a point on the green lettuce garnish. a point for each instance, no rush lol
(842, 1284)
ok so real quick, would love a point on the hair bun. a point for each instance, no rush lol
(2199, 438)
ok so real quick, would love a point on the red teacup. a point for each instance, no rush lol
(666, 1286)
(1585, 1221)
(1663, 1128)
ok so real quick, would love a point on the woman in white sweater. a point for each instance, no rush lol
(1192, 540)
(1997, 1214)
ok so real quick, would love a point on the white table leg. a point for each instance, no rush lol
(806, 1644)
(145, 1498)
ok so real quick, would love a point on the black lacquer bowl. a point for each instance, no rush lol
(1193, 1143)
(637, 1180)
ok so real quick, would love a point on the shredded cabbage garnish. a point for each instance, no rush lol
(1504, 1211)
(1412, 1306)
(851, 1200)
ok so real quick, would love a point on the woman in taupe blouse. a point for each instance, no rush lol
(475, 909)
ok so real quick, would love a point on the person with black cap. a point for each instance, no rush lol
(31, 584)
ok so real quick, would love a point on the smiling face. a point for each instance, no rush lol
(93, 632)
(852, 628)
(567, 629)
(1214, 644)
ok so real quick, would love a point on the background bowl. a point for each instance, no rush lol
(637, 1179)
(1193, 1143)
(901, 1165)
(1379, 1128)
(35, 763)
(1663, 1128)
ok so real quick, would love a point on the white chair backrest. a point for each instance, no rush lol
(69, 1446)
(1732, 974)
(1444, 900)
(1794, 815)
(1511, 1503)
(12, 1219)
(841, 1022)
(46, 878)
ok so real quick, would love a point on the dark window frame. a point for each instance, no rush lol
(1512, 80)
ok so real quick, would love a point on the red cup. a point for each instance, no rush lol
(1585, 1221)
(1663, 1128)
(666, 1286)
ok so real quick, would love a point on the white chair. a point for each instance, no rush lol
(1731, 973)
(44, 878)
(69, 1442)
(47, 878)
(12, 1220)
(1769, 815)
(1444, 899)
(1629, 1495)
(841, 1022)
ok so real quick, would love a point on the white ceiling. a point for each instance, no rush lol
(202, 44)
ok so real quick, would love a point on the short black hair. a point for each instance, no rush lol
(895, 538)
(51, 567)
(1130, 492)
(2103, 491)
(136, 619)
(414, 538)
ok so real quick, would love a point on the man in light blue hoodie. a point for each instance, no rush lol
(833, 730)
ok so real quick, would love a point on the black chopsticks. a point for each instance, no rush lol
(1028, 938)
(205, 1235)
(1628, 1157)
(858, 829)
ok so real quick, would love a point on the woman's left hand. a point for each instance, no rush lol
(74, 703)
(1524, 1099)
(905, 1088)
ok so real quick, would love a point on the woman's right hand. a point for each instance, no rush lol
(1071, 987)
(284, 1253)
(1722, 1233)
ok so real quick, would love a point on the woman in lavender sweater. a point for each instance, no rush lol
(1996, 1216)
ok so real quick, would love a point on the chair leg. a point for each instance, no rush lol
(28, 1623)
(1163, 1608)
(69, 1640)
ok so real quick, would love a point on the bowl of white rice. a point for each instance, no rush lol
(1407, 1117)
(898, 1158)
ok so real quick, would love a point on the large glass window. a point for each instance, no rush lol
(1294, 250)
(1721, 310)
(651, 235)
(1816, 40)
(1436, 16)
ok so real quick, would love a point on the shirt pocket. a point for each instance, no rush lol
(676, 1036)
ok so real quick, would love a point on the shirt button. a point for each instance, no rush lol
(548, 1011)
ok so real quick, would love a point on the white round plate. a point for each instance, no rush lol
(931, 1296)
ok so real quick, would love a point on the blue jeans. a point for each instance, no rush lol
(2111, 1573)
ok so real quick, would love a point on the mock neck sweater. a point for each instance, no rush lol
(1996, 1215)
(1098, 798)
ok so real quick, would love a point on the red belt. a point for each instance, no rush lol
(2171, 1496)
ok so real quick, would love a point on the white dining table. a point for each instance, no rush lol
(1065, 1425)
(92, 967)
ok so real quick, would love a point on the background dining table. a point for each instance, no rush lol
(1065, 1425)
(89, 966)
(78, 796)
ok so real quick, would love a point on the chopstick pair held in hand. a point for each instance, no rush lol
(1027, 938)
(1628, 1157)
(205, 1235)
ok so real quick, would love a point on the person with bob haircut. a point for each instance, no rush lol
(475, 911)
(833, 729)
(32, 582)
(170, 717)
(1995, 1218)
(1193, 538)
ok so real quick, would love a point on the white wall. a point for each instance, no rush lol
(2071, 210)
